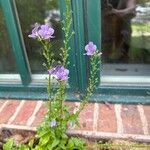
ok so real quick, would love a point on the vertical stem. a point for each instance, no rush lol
(49, 92)
(61, 100)
(66, 28)
(48, 58)
(62, 96)
(92, 82)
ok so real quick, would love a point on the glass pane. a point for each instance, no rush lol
(41, 11)
(7, 62)
(126, 38)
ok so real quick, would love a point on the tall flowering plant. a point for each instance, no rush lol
(52, 132)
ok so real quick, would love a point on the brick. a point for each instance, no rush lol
(71, 105)
(106, 116)
(25, 113)
(131, 120)
(39, 116)
(107, 119)
(1, 102)
(8, 111)
(43, 110)
(86, 118)
(147, 115)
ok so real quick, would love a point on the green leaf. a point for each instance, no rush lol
(44, 140)
(8, 145)
(64, 136)
(38, 148)
(76, 143)
(62, 145)
(55, 143)
(43, 133)
(70, 144)
(31, 142)
(23, 147)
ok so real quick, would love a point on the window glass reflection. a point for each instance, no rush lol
(7, 62)
(126, 37)
(41, 11)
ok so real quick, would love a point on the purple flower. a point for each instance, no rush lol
(90, 48)
(46, 32)
(34, 33)
(53, 71)
(60, 72)
(53, 123)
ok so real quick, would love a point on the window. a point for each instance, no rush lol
(8, 71)
(19, 18)
(125, 68)
(29, 13)
(115, 87)
(125, 42)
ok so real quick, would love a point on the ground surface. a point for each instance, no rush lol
(100, 120)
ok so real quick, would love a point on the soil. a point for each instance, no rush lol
(23, 136)
(20, 136)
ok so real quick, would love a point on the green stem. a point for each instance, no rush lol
(62, 86)
(48, 57)
(62, 95)
(49, 92)
(92, 82)
(66, 28)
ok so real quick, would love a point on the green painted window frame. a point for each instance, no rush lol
(29, 90)
(16, 41)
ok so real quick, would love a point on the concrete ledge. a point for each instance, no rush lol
(88, 134)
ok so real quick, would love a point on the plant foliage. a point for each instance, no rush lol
(51, 133)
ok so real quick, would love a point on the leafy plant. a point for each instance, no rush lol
(11, 145)
(52, 131)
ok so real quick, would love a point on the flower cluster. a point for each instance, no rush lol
(53, 123)
(90, 49)
(59, 72)
(44, 32)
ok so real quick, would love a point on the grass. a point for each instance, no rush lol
(138, 28)
(140, 43)
(122, 145)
